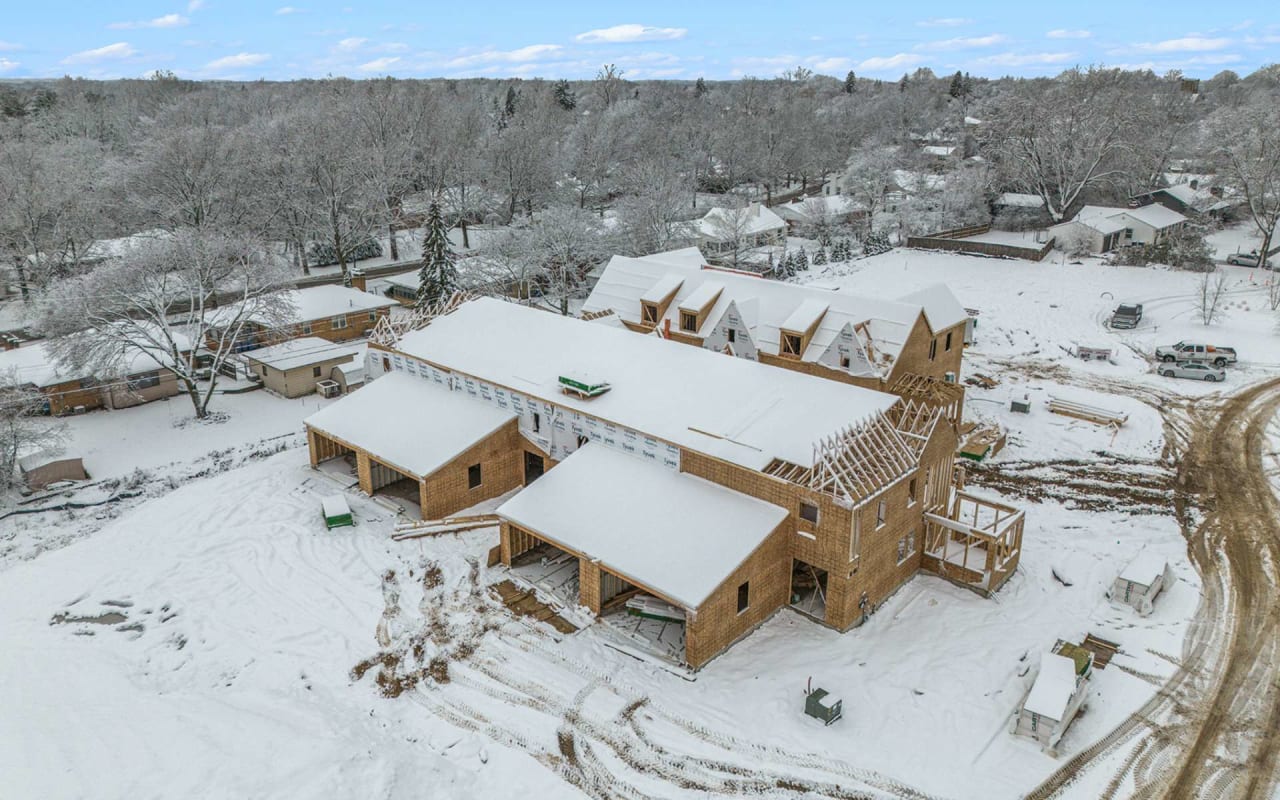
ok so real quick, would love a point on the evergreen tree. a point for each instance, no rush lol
(699, 87)
(902, 84)
(850, 83)
(438, 278)
(565, 96)
(957, 86)
(509, 103)
(820, 257)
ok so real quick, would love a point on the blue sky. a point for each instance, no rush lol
(237, 39)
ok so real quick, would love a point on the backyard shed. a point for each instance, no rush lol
(1141, 581)
(292, 368)
(1057, 695)
(43, 468)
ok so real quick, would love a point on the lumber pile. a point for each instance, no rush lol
(1095, 414)
(984, 381)
(437, 527)
(982, 442)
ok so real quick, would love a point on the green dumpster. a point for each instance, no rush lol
(336, 512)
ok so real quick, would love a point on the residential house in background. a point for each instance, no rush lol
(294, 367)
(715, 486)
(141, 378)
(331, 312)
(835, 209)
(1106, 228)
(730, 230)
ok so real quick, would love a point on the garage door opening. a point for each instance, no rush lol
(809, 589)
(642, 620)
(551, 570)
(395, 485)
(336, 460)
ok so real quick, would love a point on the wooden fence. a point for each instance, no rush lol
(956, 240)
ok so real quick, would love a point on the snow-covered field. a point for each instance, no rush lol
(227, 671)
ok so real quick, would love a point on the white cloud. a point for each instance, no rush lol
(944, 22)
(107, 53)
(6, 65)
(351, 44)
(167, 21)
(379, 64)
(1183, 45)
(282, 10)
(530, 53)
(834, 64)
(236, 61)
(194, 6)
(10, 46)
(963, 42)
(898, 61)
(632, 33)
(1067, 33)
(1025, 59)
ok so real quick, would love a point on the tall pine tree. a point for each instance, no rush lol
(565, 96)
(438, 278)
(850, 83)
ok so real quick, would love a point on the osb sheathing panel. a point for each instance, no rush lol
(501, 460)
(718, 624)
(914, 357)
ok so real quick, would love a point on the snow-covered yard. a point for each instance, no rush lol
(237, 618)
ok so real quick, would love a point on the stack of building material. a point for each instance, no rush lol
(1094, 414)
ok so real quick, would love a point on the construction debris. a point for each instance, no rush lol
(985, 441)
(1094, 414)
(437, 527)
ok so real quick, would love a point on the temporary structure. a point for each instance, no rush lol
(1141, 581)
(1057, 695)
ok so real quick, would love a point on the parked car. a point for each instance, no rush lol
(1194, 371)
(1244, 259)
(1189, 351)
(1128, 315)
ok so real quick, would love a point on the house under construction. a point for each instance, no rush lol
(911, 346)
(717, 490)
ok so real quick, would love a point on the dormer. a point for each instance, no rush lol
(797, 330)
(695, 308)
(657, 299)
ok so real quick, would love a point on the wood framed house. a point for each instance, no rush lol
(912, 345)
(1106, 228)
(804, 493)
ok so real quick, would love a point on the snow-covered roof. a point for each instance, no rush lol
(1144, 568)
(700, 297)
(300, 353)
(601, 503)
(766, 305)
(1102, 219)
(806, 314)
(809, 210)
(663, 288)
(1020, 200)
(1156, 215)
(1053, 688)
(739, 410)
(415, 426)
(321, 302)
(913, 182)
(941, 308)
(42, 458)
(34, 364)
(404, 280)
(725, 223)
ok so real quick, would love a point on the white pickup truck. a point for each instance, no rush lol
(1205, 353)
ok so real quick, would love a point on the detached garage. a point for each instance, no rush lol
(434, 451)
(635, 527)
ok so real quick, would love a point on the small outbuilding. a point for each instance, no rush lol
(1059, 692)
(1141, 581)
(43, 468)
(337, 513)
(292, 368)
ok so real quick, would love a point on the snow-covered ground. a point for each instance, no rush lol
(243, 617)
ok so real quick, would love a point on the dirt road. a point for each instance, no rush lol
(1213, 730)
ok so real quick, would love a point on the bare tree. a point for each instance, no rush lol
(1210, 295)
(23, 428)
(1249, 150)
(565, 244)
(165, 299)
(1059, 139)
